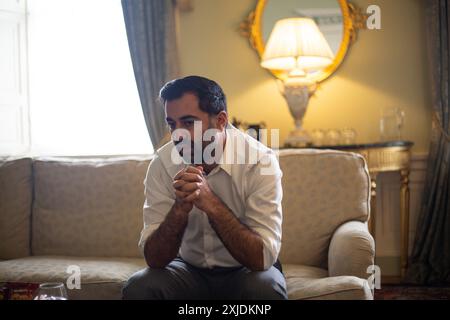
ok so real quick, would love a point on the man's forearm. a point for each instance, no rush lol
(244, 244)
(163, 245)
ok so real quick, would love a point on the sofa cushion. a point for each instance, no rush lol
(15, 207)
(101, 278)
(88, 207)
(304, 282)
(322, 189)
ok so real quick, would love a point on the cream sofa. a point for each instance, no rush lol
(58, 212)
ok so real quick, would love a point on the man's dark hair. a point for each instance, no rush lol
(210, 95)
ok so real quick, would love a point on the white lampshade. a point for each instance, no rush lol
(297, 43)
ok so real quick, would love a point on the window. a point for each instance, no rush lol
(83, 98)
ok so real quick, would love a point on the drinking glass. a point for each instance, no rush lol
(333, 137)
(348, 136)
(318, 137)
(391, 123)
(51, 291)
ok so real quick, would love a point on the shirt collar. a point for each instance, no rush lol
(232, 154)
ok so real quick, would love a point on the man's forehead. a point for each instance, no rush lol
(186, 105)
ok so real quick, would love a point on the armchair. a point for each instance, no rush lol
(326, 246)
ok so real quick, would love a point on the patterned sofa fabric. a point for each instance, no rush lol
(101, 278)
(88, 207)
(311, 283)
(322, 189)
(88, 212)
(15, 207)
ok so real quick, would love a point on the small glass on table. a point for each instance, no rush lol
(51, 291)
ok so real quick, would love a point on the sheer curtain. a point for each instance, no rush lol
(152, 38)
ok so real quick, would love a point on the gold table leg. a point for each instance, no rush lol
(404, 220)
(373, 204)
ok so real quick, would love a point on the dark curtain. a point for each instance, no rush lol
(430, 260)
(152, 38)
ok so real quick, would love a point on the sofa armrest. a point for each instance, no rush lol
(352, 250)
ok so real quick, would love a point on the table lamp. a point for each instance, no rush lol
(297, 47)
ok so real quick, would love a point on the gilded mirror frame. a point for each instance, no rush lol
(352, 18)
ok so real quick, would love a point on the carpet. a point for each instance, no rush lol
(401, 292)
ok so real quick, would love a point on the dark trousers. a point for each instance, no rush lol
(182, 281)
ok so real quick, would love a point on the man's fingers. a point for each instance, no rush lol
(189, 169)
(190, 187)
(187, 196)
(191, 177)
(184, 186)
(194, 195)
(177, 184)
(197, 169)
(181, 194)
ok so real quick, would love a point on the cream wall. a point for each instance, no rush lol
(383, 68)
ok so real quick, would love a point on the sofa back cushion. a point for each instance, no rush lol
(15, 207)
(322, 189)
(88, 207)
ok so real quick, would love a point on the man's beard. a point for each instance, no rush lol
(192, 151)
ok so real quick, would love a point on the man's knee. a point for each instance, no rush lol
(262, 285)
(145, 284)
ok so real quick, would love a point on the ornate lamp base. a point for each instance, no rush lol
(297, 91)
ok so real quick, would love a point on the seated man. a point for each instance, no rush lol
(212, 221)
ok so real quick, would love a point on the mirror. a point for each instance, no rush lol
(335, 18)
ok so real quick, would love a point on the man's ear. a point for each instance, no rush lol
(222, 120)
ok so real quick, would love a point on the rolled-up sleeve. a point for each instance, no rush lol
(159, 198)
(263, 207)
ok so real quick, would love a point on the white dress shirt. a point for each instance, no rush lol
(249, 186)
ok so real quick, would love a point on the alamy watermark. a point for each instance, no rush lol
(374, 279)
(374, 17)
(74, 280)
(206, 147)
